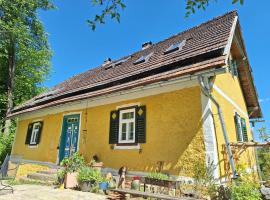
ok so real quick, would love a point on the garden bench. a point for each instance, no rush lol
(5, 176)
(149, 194)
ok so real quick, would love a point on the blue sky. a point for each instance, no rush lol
(77, 48)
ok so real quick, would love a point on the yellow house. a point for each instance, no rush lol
(171, 104)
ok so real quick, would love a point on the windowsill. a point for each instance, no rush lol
(32, 146)
(127, 146)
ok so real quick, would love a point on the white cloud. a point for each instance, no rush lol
(264, 100)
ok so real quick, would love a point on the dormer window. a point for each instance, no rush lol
(175, 47)
(142, 59)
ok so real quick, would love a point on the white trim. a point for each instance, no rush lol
(230, 100)
(126, 121)
(210, 140)
(174, 84)
(230, 39)
(127, 147)
(128, 105)
(33, 146)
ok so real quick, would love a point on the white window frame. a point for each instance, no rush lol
(126, 121)
(241, 128)
(33, 140)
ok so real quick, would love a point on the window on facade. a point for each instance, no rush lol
(127, 126)
(35, 132)
(241, 128)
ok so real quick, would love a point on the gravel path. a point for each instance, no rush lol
(37, 192)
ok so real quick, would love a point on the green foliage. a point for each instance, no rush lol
(159, 176)
(204, 180)
(89, 174)
(193, 5)
(60, 176)
(110, 8)
(264, 162)
(264, 154)
(245, 190)
(21, 28)
(6, 142)
(73, 163)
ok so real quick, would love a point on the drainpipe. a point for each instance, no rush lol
(206, 92)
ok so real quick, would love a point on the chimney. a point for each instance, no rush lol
(107, 61)
(146, 45)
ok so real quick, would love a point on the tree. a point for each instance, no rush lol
(264, 154)
(112, 8)
(24, 53)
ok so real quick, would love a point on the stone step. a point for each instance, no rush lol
(26, 180)
(42, 177)
(49, 172)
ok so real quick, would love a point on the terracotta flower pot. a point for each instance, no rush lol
(71, 180)
(97, 165)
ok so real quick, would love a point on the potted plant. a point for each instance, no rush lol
(135, 183)
(103, 183)
(72, 165)
(88, 178)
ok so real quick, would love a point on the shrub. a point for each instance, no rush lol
(244, 190)
(73, 163)
(89, 174)
(6, 142)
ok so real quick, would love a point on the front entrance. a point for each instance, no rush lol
(69, 136)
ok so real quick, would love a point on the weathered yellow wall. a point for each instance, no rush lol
(173, 135)
(231, 87)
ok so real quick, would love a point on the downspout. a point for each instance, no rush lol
(206, 92)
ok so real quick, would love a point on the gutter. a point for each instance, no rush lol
(206, 92)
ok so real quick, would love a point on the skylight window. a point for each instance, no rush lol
(117, 63)
(142, 59)
(176, 46)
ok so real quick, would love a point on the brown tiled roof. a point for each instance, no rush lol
(203, 49)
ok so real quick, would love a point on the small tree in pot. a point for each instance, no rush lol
(72, 165)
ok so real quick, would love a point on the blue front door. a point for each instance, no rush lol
(69, 136)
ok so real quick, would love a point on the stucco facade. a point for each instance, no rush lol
(173, 133)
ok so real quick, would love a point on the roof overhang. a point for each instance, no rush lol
(245, 74)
